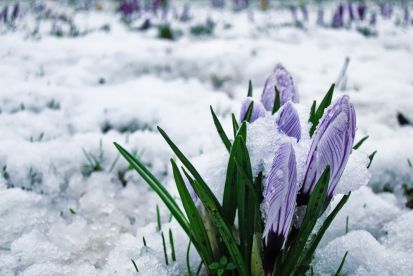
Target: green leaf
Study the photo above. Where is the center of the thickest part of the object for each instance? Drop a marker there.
(220, 130)
(223, 260)
(277, 101)
(212, 206)
(220, 271)
(198, 231)
(229, 203)
(158, 219)
(235, 125)
(409, 163)
(134, 265)
(249, 89)
(230, 266)
(154, 183)
(341, 264)
(164, 249)
(248, 114)
(171, 243)
(315, 119)
(306, 260)
(188, 264)
(359, 143)
(214, 266)
(245, 198)
(314, 209)
(371, 157)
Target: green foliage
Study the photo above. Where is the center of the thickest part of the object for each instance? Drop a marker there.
(224, 248)
(317, 113)
(359, 143)
(277, 101)
(165, 31)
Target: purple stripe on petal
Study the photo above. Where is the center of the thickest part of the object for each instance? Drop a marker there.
(288, 121)
(332, 145)
(258, 110)
(280, 192)
(284, 82)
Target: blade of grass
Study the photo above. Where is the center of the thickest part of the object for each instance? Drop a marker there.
(171, 243)
(320, 110)
(235, 125)
(212, 205)
(158, 219)
(220, 130)
(134, 265)
(359, 143)
(277, 101)
(229, 202)
(199, 233)
(248, 114)
(341, 264)
(154, 183)
(249, 89)
(222, 227)
(371, 157)
(188, 265)
(164, 249)
(308, 256)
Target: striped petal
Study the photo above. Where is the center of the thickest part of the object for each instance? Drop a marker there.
(280, 192)
(288, 121)
(331, 146)
(258, 110)
(283, 80)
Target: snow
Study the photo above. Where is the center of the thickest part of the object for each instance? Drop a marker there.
(52, 105)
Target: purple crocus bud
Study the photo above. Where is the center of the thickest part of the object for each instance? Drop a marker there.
(283, 80)
(338, 21)
(350, 12)
(3, 14)
(332, 145)
(320, 17)
(361, 11)
(258, 110)
(288, 121)
(280, 193)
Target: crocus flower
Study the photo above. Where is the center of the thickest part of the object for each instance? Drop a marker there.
(338, 21)
(283, 80)
(3, 14)
(258, 110)
(332, 145)
(280, 192)
(288, 121)
(362, 11)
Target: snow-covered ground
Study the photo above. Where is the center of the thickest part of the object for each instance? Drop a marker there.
(62, 97)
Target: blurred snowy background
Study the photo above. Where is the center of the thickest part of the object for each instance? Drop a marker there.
(77, 75)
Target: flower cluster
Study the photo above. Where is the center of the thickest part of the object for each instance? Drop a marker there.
(331, 146)
(252, 226)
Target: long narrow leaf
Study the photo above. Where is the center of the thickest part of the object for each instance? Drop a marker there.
(229, 203)
(249, 89)
(213, 207)
(277, 100)
(157, 187)
(235, 125)
(220, 130)
(222, 227)
(359, 143)
(197, 226)
(320, 110)
(306, 260)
